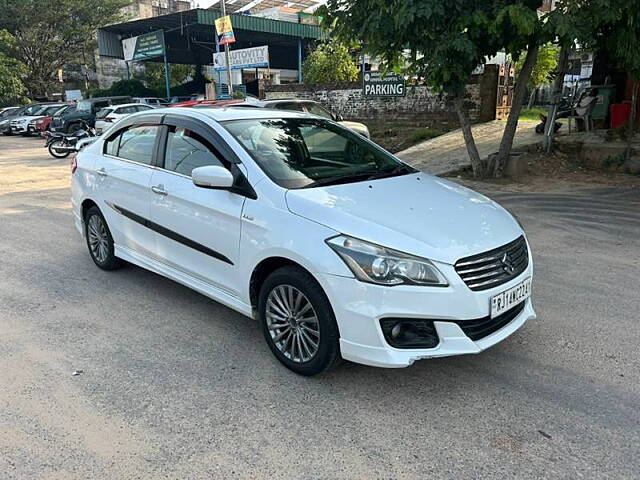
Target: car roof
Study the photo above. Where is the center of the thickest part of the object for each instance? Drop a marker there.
(134, 104)
(221, 114)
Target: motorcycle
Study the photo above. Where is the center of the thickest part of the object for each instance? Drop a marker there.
(61, 145)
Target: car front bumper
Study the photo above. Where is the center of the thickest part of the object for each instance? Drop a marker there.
(19, 129)
(359, 306)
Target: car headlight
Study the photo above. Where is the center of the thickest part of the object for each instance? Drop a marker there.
(375, 264)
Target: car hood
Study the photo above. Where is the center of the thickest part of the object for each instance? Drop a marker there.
(24, 117)
(417, 213)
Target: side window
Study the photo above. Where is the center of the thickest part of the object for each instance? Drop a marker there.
(111, 147)
(289, 106)
(142, 108)
(316, 109)
(98, 106)
(187, 150)
(137, 144)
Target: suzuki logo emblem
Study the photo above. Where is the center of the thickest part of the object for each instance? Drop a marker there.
(507, 266)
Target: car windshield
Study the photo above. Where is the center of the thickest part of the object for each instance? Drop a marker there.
(7, 113)
(84, 106)
(50, 110)
(304, 152)
(103, 113)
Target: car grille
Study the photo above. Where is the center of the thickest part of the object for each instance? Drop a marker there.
(495, 267)
(483, 327)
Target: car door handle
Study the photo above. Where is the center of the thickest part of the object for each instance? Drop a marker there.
(159, 190)
(102, 172)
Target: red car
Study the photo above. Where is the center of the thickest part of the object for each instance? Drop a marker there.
(44, 124)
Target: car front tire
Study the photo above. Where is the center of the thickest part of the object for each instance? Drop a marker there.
(298, 322)
(100, 241)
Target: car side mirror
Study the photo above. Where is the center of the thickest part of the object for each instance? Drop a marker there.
(212, 176)
(338, 117)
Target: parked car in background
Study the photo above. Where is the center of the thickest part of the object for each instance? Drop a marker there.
(43, 124)
(25, 111)
(153, 101)
(5, 111)
(106, 117)
(307, 106)
(85, 111)
(336, 247)
(184, 98)
(6, 116)
(25, 124)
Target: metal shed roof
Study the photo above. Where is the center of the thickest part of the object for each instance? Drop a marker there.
(190, 36)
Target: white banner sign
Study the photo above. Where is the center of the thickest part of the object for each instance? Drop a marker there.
(245, 58)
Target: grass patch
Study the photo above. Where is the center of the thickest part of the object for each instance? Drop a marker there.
(532, 113)
(396, 136)
(422, 134)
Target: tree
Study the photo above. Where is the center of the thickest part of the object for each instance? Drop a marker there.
(331, 61)
(543, 70)
(443, 42)
(178, 74)
(48, 36)
(12, 89)
(621, 40)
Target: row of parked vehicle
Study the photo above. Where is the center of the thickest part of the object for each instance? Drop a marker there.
(37, 118)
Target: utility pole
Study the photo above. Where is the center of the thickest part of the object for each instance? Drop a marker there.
(226, 55)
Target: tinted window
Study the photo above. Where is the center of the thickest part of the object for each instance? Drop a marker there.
(84, 106)
(141, 108)
(111, 147)
(98, 106)
(103, 113)
(126, 110)
(298, 152)
(187, 150)
(287, 106)
(316, 109)
(137, 144)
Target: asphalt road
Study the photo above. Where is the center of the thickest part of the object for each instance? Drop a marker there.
(175, 385)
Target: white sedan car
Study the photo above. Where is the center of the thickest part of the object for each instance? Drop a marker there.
(106, 117)
(336, 247)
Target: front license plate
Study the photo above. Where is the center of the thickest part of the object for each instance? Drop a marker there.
(510, 298)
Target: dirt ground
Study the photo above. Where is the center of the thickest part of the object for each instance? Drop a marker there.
(557, 172)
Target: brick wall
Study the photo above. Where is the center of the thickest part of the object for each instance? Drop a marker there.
(420, 103)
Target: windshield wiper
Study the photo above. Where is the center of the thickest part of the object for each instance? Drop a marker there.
(364, 175)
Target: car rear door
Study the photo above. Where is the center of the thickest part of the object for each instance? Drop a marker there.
(123, 177)
(198, 229)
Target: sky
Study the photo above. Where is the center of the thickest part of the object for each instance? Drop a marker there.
(208, 3)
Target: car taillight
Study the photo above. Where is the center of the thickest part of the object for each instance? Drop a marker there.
(74, 164)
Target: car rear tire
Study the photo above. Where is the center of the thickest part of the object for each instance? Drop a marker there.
(100, 241)
(298, 322)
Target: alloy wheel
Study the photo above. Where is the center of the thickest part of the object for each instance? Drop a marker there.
(98, 238)
(292, 323)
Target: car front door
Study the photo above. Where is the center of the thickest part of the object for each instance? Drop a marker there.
(123, 177)
(198, 229)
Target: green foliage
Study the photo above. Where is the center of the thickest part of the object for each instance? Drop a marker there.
(12, 89)
(532, 114)
(331, 61)
(623, 37)
(132, 88)
(546, 63)
(50, 35)
(238, 94)
(154, 75)
(422, 134)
